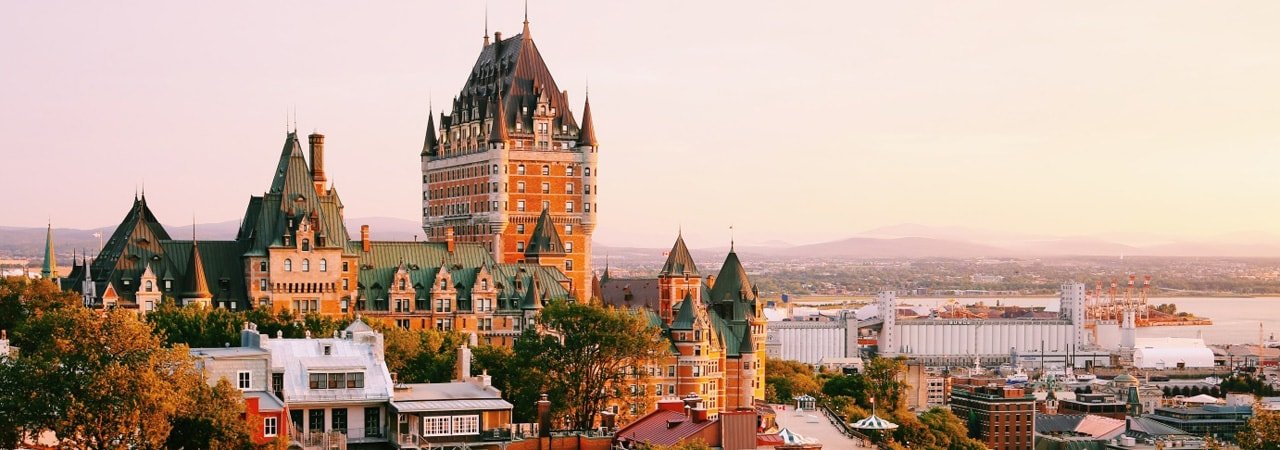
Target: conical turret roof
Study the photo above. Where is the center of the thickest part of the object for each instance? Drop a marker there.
(50, 268)
(197, 285)
(587, 136)
(686, 315)
(732, 282)
(499, 131)
(431, 142)
(544, 240)
(679, 261)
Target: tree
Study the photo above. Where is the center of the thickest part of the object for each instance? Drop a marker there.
(693, 444)
(585, 358)
(101, 380)
(788, 380)
(1260, 432)
(212, 419)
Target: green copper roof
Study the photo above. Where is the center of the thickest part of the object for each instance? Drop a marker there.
(732, 282)
(545, 241)
(50, 269)
(686, 315)
(679, 261)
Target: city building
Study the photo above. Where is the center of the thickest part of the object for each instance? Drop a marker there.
(467, 412)
(676, 421)
(249, 370)
(293, 253)
(714, 325)
(926, 387)
(508, 150)
(1002, 417)
(1219, 421)
(1104, 405)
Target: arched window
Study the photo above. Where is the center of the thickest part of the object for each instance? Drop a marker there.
(306, 245)
(568, 171)
(288, 265)
(546, 170)
(484, 285)
(586, 171)
(520, 169)
(324, 265)
(444, 285)
(262, 266)
(149, 286)
(306, 265)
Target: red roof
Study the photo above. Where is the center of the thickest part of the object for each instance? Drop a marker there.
(655, 428)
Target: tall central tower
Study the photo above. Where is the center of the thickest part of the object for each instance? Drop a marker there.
(508, 150)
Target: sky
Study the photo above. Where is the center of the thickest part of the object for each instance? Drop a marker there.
(791, 121)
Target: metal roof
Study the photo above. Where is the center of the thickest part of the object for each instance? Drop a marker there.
(451, 405)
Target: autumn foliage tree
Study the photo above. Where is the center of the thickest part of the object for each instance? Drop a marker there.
(1261, 432)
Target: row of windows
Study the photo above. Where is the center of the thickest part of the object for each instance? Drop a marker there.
(338, 380)
(546, 204)
(478, 171)
(450, 425)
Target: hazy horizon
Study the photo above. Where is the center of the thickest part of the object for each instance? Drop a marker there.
(793, 122)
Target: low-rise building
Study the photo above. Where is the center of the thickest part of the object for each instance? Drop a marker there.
(1219, 421)
(249, 370)
(467, 412)
(1002, 417)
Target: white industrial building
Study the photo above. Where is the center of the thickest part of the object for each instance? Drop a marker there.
(950, 341)
(1170, 353)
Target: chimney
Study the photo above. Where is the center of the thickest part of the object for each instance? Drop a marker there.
(544, 416)
(699, 414)
(316, 140)
(464, 362)
(448, 239)
(497, 36)
(671, 404)
(249, 337)
(607, 419)
(364, 238)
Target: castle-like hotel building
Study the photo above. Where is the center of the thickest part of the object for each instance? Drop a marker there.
(509, 207)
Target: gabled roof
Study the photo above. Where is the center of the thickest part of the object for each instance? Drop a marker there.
(679, 261)
(134, 243)
(545, 241)
(663, 427)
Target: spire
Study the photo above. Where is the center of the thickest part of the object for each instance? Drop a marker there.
(684, 317)
(486, 25)
(429, 144)
(587, 135)
(198, 285)
(50, 269)
(525, 33)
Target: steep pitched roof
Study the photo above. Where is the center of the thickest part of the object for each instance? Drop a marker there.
(513, 67)
(679, 261)
(430, 143)
(587, 136)
(197, 285)
(50, 268)
(732, 282)
(686, 315)
(545, 240)
(498, 132)
(134, 243)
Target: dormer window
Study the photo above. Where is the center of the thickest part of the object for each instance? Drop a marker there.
(328, 350)
(149, 286)
(168, 285)
(444, 285)
(484, 285)
(403, 284)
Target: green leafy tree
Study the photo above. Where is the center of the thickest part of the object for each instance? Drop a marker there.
(583, 360)
(1261, 432)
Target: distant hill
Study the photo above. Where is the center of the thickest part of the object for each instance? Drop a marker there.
(905, 241)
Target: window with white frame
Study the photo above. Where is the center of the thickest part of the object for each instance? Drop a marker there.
(466, 424)
(269, 427)
(242, 379)
(436, 426)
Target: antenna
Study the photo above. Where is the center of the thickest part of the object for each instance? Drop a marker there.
(730, 237)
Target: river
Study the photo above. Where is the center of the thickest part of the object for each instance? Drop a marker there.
(1235, 319)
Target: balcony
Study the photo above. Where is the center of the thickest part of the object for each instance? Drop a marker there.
(338, 395)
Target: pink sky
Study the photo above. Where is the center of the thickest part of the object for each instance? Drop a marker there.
(798, 121)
